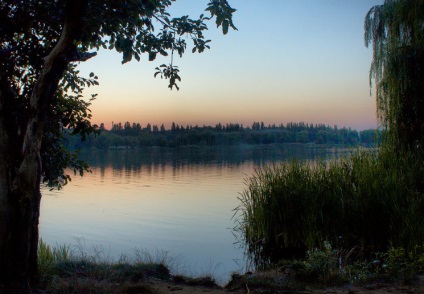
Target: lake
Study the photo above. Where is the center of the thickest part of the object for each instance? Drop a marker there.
(179, 201)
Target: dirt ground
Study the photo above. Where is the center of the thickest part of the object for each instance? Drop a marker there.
(416, 286)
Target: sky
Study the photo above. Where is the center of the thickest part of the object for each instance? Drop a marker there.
(289, 61)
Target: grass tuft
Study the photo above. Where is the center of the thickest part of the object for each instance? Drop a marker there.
(62, 270)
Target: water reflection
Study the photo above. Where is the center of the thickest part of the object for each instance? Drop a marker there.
(136, 159)
(178, 200)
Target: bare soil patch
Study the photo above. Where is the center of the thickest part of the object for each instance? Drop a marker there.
(416, 285)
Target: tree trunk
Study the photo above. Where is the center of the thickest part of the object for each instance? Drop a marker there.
(19, 214)
(20, 163)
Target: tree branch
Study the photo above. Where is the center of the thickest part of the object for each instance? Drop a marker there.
(54, 66)
(82, 56)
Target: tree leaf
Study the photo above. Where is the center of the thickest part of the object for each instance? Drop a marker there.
(152, 56)
(225, 25)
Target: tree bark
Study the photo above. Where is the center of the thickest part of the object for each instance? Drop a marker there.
(20, 168)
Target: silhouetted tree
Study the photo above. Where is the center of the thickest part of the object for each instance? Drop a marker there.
(396, 32)
(41, 44)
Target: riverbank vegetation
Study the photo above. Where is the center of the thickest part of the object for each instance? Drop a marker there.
(370, 200)
(63, 269)
(134, 135)
(66, 270)
(369, 205)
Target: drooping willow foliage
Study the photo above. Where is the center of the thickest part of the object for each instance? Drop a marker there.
(371, 200)
(396, 30)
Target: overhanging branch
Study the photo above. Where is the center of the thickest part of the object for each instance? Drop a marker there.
(82, 56)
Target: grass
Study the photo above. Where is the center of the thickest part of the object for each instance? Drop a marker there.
(329, 267)
(62, 270)
(368, 200)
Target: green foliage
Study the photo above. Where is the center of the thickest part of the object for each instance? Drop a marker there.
(169, 72)
(133, 135)
(369, 200)
(395, 30)
(323, 261)
(66, 270)
(397, 263)
(331, 265)
(72, 116)
(327, 266)
(63, 270)
(49, 257)
(223, 14)
(29, 30)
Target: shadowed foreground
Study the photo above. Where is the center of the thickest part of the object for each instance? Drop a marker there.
(66, 271)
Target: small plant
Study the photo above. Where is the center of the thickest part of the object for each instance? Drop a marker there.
(329, 266)
(358, 273)
(398, 264)
(49, 257)
(323, 262)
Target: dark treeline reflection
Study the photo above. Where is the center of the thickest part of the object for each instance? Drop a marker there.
(155, 158)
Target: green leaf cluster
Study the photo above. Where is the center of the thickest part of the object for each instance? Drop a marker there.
(396, 32)
(29, 30)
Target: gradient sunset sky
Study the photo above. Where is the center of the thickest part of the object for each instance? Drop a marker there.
(289, 61)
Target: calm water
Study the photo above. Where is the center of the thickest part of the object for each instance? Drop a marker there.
(176, 200)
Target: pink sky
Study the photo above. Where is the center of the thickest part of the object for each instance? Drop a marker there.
(297, 61)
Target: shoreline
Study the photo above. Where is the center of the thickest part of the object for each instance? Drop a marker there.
(62, 271)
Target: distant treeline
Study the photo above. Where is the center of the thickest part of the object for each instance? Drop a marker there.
(134, 135)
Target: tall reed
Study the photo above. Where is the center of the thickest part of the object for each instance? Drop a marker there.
(369, 199)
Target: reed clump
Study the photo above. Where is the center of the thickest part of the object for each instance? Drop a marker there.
(371, 200)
